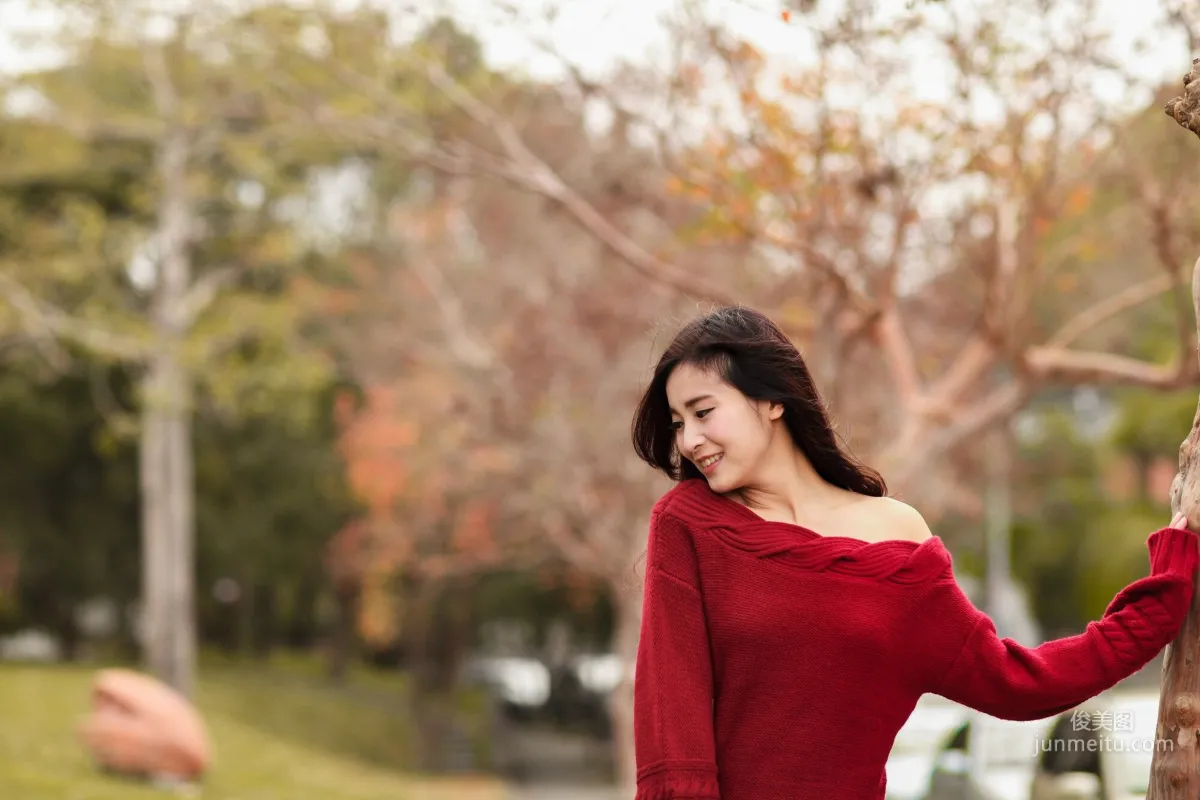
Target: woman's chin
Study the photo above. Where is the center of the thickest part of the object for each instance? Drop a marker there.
(718, 483)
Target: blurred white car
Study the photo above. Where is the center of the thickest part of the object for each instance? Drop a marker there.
(947, 750)
(1103, 750)
(1100, 751)
(600, 673)
(520, 682)
(928, 729)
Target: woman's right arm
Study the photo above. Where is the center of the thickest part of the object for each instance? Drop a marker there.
(673, 684)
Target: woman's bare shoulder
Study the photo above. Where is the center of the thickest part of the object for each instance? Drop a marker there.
(900, 520)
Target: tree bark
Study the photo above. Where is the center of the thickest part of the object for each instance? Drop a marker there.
(1175, 767)
(1185, 109)
(180, 491)
(167, 525)
(155, 534)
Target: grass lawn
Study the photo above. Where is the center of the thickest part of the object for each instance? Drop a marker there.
(276, 734)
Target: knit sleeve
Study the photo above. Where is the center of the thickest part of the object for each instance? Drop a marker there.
(1007, 680)
(673, 684)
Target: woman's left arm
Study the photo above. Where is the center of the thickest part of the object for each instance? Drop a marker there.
(972, 665)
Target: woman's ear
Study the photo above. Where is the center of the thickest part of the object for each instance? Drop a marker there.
(775, 411)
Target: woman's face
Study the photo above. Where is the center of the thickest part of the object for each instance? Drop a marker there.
(720, 430)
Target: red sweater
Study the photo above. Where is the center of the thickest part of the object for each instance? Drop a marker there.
(779, 664)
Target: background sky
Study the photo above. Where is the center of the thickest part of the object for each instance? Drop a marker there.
(596, 33)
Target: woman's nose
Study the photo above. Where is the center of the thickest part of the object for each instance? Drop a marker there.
(691, 441)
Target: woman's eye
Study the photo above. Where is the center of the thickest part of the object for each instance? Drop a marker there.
(677, 424)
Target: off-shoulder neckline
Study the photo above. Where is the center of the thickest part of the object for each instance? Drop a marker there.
(753, 517)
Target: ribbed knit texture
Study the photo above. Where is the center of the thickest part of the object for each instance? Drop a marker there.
(779, 664)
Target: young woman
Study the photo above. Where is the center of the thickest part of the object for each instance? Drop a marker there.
(794, 614)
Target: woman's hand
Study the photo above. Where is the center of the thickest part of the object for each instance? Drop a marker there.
(1180, 521)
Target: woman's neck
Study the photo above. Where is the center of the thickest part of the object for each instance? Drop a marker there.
(789, 489)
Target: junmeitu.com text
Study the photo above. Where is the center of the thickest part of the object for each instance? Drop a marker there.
(1103, 744)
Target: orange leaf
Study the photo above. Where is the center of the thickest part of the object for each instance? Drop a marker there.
(1079, 200)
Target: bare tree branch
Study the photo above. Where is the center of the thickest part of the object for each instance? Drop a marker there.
(973, 361)
(467, 347)
(1185, 109)
(1157, 204)
(860, 301)
(890, 331)
(899, 356)
(40, 318)
(203, 292)
(45, 342)
(914, 453)
(535, 174)
(1110, 307)
(520, 166)
(572, 547)
(104, 130)
(1079, 367)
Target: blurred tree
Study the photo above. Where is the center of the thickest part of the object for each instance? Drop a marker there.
(202, 271)
(68, 499)
(269, 493)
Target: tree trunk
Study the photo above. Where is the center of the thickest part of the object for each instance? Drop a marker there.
(424, 700)
(180, 492)
(167, 465)
(167, 526)
(1175, 768)
(627, 603)
(155, 535)
(343, 635)
(301, 631)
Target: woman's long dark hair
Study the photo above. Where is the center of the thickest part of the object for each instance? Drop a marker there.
(752, 354)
